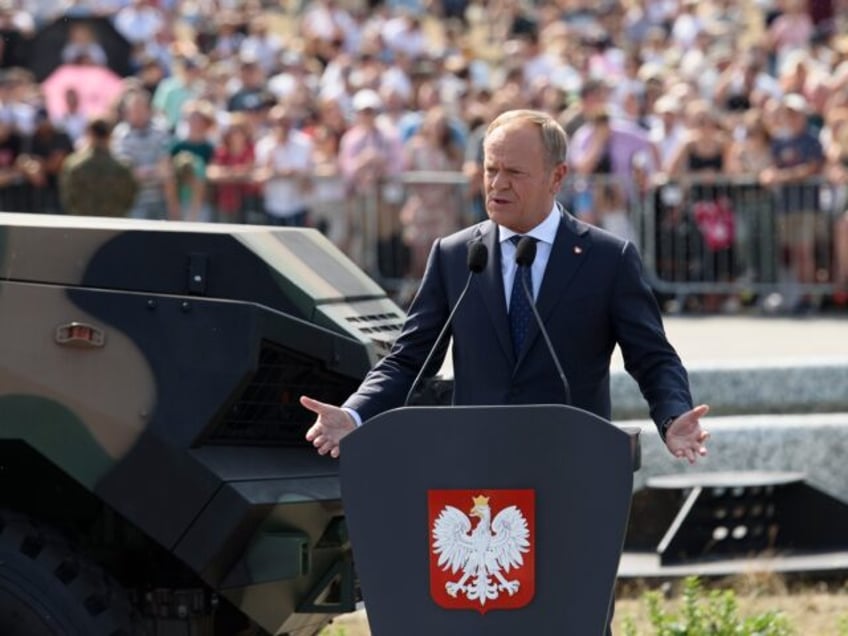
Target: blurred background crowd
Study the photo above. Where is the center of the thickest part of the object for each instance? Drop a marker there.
(714, 133)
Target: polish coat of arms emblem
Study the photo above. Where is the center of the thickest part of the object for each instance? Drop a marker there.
(482, 548)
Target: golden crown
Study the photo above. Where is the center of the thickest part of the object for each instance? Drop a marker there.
(480, 500)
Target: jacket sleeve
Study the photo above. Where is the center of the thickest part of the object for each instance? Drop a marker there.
(648, 356)
(386, 385)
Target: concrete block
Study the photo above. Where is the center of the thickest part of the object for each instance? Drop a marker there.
(814, 444)
(803, 386)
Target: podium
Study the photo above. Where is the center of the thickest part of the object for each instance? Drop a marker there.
(489, 520)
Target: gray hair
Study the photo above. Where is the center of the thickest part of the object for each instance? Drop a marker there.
(554, 139)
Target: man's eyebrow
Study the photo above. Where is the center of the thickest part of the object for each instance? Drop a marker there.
(509, 167)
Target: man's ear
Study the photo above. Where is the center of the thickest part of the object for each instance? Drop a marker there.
(558, 176)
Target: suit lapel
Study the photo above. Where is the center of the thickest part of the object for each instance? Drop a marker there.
(568, 253)
(492, 288)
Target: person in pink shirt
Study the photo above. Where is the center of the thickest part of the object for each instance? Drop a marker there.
(431, 210)
(370, 159)
(791, 30)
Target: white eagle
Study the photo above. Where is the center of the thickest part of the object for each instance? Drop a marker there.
(489, 551)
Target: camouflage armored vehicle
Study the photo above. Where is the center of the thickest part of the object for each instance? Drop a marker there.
(154, 478)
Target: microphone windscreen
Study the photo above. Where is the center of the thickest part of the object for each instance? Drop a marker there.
(525, 251)
(478, 256)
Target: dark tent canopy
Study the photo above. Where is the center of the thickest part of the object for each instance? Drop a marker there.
(45, 48)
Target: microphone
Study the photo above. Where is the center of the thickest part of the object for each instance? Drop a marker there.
(525, 254)
(478, 256)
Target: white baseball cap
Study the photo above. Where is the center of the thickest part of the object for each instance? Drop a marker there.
(367, 98)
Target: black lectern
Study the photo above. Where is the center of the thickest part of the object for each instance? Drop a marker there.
(490, 521)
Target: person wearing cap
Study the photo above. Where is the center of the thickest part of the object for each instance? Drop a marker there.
(252, 89)
(797, 157)
(370, 156)
(667, 129)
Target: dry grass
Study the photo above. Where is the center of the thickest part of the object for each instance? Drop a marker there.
(814, 608)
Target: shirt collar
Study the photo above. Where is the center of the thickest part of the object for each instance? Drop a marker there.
(545, 232)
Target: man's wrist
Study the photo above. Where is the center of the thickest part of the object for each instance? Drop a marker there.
(666, 424)
(357, 420)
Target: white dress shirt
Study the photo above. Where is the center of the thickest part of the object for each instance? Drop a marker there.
(544, 233)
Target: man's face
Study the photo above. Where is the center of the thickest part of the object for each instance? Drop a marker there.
(520, 187)
(198, 124)
(281, 122)
(797, 121)
(251, 75)
(367, 116)
(138, 112)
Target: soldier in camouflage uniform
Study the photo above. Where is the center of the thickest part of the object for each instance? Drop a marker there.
(93, 182)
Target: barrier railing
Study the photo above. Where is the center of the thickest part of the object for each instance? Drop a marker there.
(726, 236)
(606, 201)
(387, 228)
(697, 236)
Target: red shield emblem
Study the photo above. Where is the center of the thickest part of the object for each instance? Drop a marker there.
(482, 548)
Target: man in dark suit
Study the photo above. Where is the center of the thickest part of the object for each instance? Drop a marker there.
(589, 291)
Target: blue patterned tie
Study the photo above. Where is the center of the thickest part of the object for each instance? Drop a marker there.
(520, 312)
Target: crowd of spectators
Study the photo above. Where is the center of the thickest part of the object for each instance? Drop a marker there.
(244, 111)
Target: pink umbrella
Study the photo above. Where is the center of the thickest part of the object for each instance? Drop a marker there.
(97, 86)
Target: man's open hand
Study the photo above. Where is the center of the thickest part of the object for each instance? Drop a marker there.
(332, 424)
(685, 438)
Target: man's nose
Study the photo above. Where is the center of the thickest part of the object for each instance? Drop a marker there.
(497, 181)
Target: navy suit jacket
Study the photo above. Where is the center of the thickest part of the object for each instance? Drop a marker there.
(592, 296)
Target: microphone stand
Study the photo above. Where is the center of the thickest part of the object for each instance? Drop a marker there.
(477, 263)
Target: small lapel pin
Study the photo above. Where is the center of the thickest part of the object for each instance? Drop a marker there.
(578, 249)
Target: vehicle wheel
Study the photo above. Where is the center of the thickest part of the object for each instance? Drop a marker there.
(48, 589)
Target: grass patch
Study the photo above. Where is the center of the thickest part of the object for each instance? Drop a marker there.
(706, 613)
(743, 605)
(760, 604)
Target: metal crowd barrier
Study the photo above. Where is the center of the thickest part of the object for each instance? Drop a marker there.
(697, 236)
(22, 196)
(401, 217)
(733, 236)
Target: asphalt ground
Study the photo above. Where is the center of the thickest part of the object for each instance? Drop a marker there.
(747, 340)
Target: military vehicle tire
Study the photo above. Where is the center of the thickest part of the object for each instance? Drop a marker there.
(48, 589)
